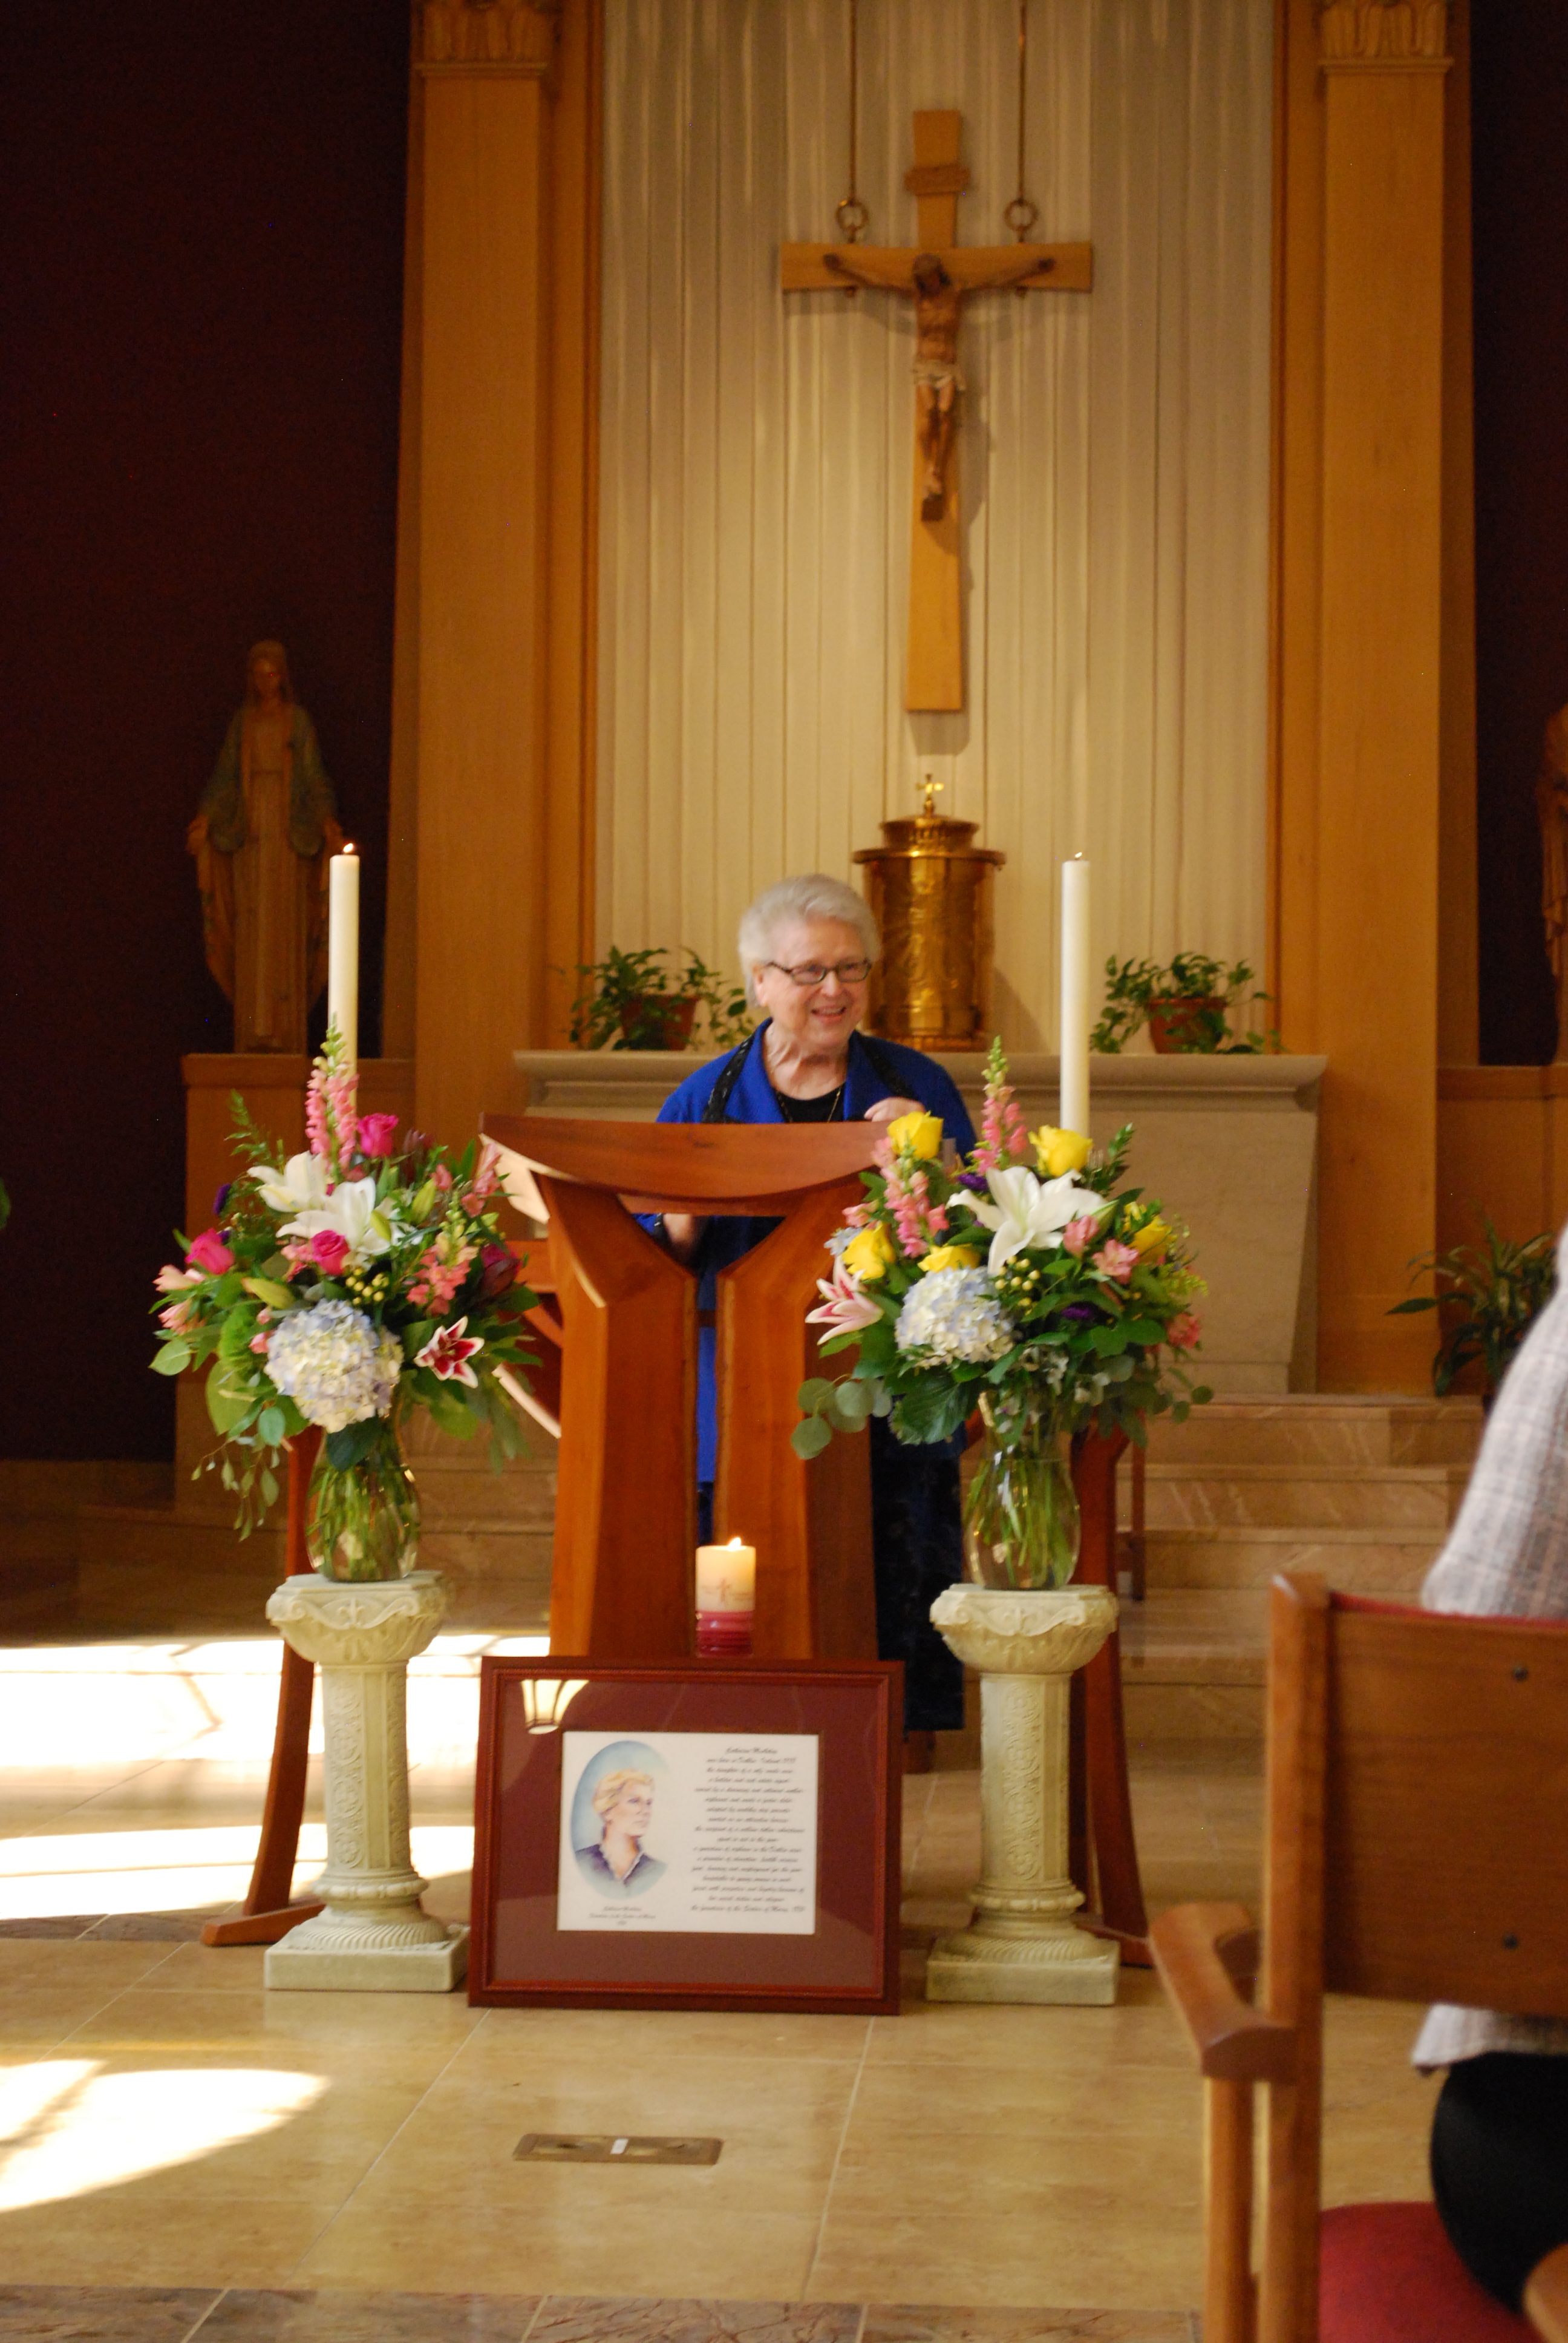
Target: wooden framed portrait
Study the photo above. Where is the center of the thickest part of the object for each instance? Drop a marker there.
(705, 1835)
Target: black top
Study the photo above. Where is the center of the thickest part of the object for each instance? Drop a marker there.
(825, 1108)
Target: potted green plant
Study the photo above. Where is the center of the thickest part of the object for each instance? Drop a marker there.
(1187, 1004)
(632, 1001)
(1492, 1295)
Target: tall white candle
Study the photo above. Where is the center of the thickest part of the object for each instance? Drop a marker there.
(343, 949)
(1073, 1110)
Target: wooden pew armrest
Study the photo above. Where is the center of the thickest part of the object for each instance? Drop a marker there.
(1205, 1954)
(1546, 2297)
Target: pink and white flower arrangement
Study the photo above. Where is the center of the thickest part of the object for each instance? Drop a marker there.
(1039, 1292)
(346, 1286)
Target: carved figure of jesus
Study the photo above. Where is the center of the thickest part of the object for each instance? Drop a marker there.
(939, 303)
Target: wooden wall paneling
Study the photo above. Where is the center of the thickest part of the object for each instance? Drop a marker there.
(576, 171)
(400, 949)
(503, 592)
(1378, 779)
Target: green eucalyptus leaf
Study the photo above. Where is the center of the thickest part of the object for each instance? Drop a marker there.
(851, 1404)
(227, 1403)
(173, 1359)
(814, 1395)
(272, 1426)
(269, 1487)
(810, 1437)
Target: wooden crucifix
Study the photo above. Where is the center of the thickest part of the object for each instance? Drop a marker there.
(936, 276)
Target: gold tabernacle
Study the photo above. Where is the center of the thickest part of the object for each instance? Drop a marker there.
(932, 892)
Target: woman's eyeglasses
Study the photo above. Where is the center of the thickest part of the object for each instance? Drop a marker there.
(809, 973)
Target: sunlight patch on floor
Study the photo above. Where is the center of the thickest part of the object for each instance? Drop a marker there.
(64, 1872)
(67, 2128)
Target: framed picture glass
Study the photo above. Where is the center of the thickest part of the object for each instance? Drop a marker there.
(701, 1835)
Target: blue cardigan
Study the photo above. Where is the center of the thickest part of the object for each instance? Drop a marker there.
(752, 1099)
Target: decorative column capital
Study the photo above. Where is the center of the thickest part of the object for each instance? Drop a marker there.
(1025, 1634)
(487, 36)
(1384, 35)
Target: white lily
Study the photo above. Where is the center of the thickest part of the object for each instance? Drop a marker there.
(300, 1187)
(1027, 1211)
(350, 1211)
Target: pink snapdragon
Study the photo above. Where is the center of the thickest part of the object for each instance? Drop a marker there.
(209, 1254)
(441, 1270)
(1003, 1134)
(1117, 1260)
(375, 1134)
(179, 1318)
(1078, 1235)
(917, 1219)
(1183, 1331)
(331, 1122)
(170, 1280)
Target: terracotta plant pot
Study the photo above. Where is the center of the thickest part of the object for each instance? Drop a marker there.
(1177, 1023)
(656, 1021)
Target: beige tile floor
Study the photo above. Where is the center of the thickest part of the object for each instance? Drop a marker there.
(164, 2122)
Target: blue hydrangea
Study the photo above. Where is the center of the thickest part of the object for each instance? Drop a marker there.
(954, 1312)
(335, 1365)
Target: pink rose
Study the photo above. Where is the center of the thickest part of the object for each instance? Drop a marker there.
(1182, 1333)
(1117, 1260)
(209, 1254)
(329, 1251)
(375, 1134)
(1078, 1234)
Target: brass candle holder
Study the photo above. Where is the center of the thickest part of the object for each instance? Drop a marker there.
(932, 892)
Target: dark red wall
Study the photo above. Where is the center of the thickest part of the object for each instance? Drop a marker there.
(200, 301)
(1520, 115)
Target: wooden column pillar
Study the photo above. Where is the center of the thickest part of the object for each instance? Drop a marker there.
(1358, 644)
(496, 601)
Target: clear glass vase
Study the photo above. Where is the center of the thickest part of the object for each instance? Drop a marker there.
(362, 1522)
(1021, 1525)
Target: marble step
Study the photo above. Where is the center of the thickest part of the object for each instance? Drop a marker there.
(1359, 1560)
(1194, 1663)
(1299, 1496)
(1324, 1429)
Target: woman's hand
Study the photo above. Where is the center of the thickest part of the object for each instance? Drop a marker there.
(684, 1231)
(889, 1110)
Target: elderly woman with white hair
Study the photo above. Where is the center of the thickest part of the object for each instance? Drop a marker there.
(808, 947)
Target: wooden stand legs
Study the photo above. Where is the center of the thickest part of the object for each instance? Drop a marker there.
(1101, 1806)
(267, 1913)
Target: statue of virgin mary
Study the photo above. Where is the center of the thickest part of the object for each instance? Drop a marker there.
(262, 839)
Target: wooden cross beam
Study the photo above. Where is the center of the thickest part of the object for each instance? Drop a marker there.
(934, 677)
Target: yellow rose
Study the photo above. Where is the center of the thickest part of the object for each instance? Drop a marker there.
(950, 1257)
(1061, 1150)
(869, 1254)
(1152, 1236)
(918, 1134)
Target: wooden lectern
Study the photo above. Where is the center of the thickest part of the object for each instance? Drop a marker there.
(626, 1504)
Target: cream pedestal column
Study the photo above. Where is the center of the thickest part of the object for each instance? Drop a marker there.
(1023, 1944)
(374, 1937)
